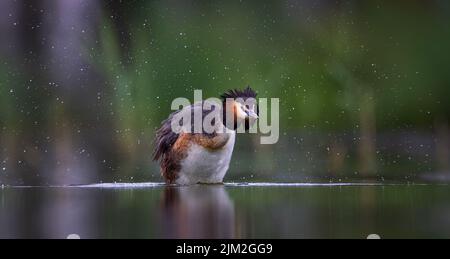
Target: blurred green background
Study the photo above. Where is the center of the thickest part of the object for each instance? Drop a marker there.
(363, 86)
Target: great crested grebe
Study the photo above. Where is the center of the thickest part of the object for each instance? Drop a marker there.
(189, 158)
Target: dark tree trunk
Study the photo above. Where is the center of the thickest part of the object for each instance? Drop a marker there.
(64, 132)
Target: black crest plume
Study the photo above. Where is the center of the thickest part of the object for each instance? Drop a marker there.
(244, 94)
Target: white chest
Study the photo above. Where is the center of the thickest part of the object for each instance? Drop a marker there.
(206, 166)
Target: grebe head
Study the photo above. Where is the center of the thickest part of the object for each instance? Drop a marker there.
(242, 106)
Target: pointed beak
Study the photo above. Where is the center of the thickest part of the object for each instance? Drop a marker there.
(252, 115)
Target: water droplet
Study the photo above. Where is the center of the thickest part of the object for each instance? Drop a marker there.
(73, 236)
(373, 236)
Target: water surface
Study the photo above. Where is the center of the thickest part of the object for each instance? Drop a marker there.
(264, 210)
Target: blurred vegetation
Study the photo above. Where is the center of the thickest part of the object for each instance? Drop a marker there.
(360, 68)
(320, 59)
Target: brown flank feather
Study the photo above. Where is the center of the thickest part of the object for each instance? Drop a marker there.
(164, 152)
(211, 141)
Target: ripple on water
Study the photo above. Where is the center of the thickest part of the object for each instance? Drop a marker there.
(230, 184)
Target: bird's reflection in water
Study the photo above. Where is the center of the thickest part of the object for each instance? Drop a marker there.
(200, 211)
